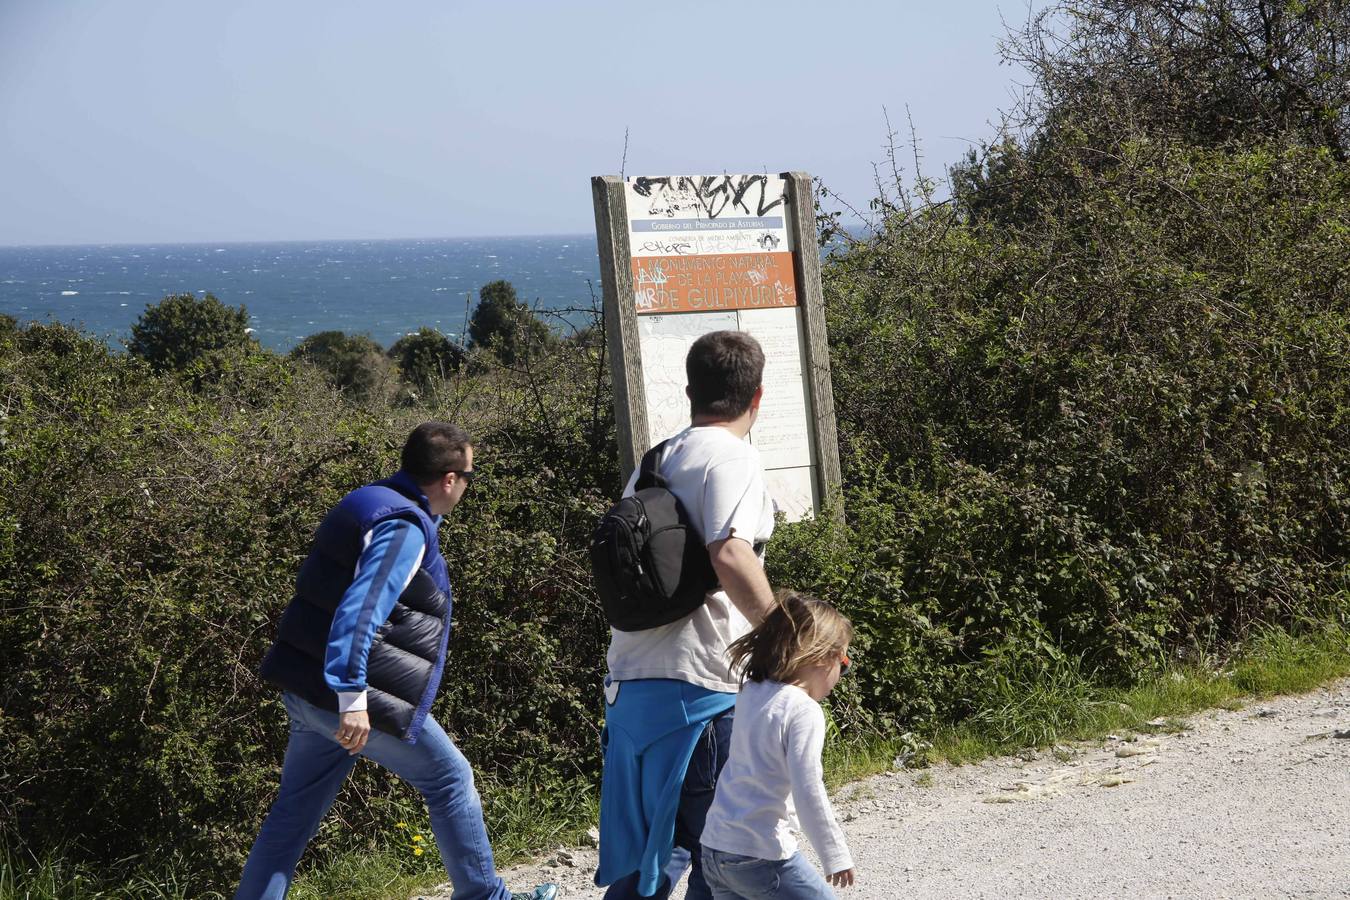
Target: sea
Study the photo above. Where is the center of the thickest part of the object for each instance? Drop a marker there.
(382, 288)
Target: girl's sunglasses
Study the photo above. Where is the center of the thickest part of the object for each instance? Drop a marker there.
(844, 664)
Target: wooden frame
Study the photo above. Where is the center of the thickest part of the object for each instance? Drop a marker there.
(621, 327)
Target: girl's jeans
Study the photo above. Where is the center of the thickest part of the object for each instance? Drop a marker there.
(735, 877)
(314, 769)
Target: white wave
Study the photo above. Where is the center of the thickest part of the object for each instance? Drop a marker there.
(69, 293)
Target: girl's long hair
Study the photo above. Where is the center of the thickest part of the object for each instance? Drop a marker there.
(800, 631)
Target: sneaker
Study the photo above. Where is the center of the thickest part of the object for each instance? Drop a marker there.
(547, 891)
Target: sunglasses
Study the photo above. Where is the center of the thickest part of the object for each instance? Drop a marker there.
(844, 665)
(468, 475)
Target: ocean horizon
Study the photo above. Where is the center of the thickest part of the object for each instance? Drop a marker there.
(385, 288)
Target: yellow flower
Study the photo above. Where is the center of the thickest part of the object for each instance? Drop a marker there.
(401, 825)
(417, 851)
(417, 839)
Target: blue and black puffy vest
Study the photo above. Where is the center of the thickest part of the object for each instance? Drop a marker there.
(407, 652)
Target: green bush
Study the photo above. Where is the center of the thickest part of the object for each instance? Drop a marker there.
(354, 364)
(505, 326)
(181, 330)
(1101, 409)
(426, 357)
(150, 531)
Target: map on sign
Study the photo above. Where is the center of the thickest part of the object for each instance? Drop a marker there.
(715, 253)
(665, 342)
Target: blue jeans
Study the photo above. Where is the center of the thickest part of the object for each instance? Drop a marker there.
(696, 797)
(314, 770)
(735, 877)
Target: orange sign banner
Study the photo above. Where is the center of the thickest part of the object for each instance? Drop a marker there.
(725, 281)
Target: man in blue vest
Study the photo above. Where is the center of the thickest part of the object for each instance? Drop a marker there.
(359, 655)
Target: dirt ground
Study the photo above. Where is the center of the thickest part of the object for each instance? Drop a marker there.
(1247, 803)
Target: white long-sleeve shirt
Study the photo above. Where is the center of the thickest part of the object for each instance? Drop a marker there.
(772, 781)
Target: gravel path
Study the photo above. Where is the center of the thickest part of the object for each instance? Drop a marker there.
(1246, 803)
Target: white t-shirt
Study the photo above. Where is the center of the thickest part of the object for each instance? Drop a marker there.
(719, 480)
(772, 781)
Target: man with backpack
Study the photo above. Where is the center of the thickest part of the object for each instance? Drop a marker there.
(671, 690)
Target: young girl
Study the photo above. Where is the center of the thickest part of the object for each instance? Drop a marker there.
(792, 660)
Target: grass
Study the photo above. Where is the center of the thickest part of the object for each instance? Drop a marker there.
(380, 875)
(522, 819)
(1019, 711)
(847, 761)
(1016, 710)
(55, 877)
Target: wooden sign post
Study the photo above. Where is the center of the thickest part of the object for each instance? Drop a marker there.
(683, 256)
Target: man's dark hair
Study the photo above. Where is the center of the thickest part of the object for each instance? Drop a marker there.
(433, 449)
(724, 369)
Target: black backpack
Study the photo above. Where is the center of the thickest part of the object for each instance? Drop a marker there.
(649, 561)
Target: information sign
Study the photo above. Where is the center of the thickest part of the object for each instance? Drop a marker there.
(683, 256)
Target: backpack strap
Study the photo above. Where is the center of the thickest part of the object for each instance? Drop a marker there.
(650, 474)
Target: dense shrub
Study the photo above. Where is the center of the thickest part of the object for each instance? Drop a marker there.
(426, 357)
(150, 530)
(181, 330)
(1095, 405)
(504, 326)
(1100, 431)
(352, 363)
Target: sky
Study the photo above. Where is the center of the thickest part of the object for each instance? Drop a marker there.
(254, 120)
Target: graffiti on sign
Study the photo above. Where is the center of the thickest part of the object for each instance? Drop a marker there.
(711, 195)
(710, 243)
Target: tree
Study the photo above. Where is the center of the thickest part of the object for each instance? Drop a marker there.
(504, 325)
(1138, 288)
(1207, 73)
(426, 356)
(181, 329)
(1118, 81)
(355, 363)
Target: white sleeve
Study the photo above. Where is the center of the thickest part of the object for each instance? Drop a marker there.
(630, 488)
(733, 499)
(804, 740)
